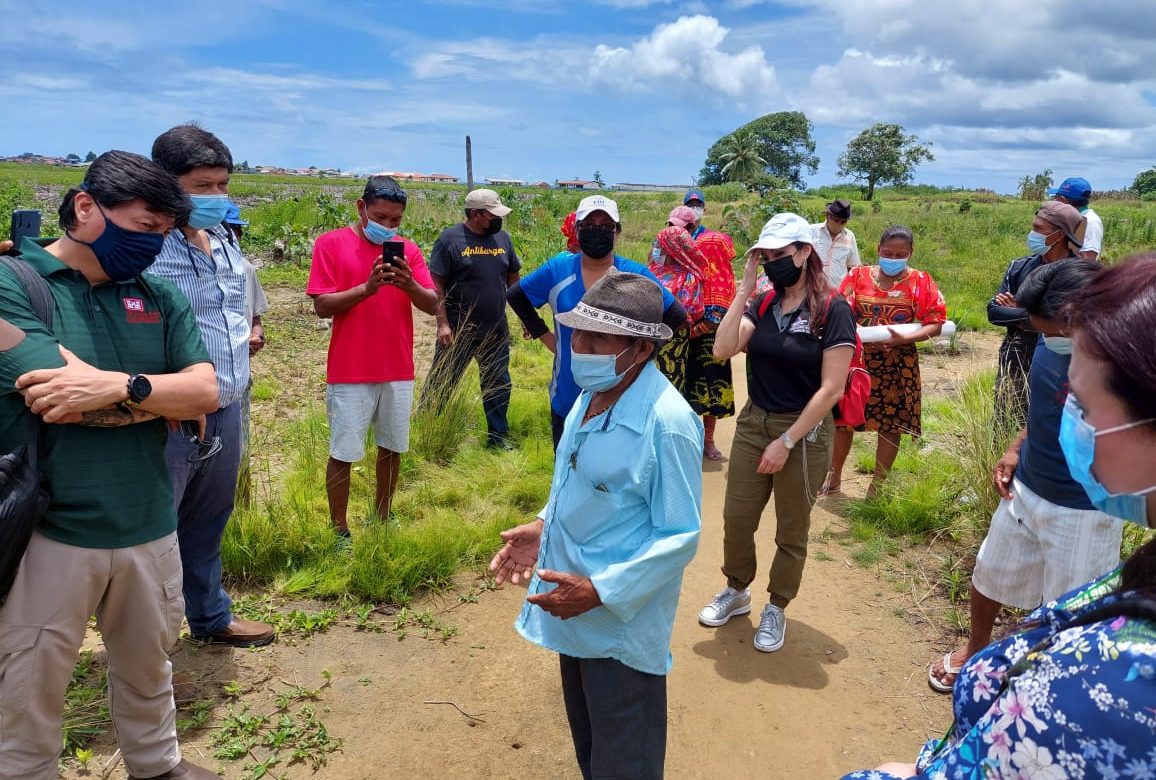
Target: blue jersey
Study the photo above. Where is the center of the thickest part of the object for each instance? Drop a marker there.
(558, 282)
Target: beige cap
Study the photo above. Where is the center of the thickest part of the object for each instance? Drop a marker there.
(487, 200)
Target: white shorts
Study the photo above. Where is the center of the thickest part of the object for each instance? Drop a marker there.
(1035, 550)
(354, 408)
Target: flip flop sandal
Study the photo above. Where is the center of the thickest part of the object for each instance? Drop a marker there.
(948, 668)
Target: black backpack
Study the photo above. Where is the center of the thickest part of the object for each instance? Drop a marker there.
(22, 497)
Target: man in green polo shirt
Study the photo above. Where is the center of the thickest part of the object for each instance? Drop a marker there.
(123, 354)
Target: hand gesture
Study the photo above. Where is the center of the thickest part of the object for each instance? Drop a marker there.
(750, 280)
(398, 273)
(445, 334)
(377, 278)
(1005, 470)
(58, 394)
(573, 596)
(1006, 299)
(518, 555)
(550, 340)
(774, 458)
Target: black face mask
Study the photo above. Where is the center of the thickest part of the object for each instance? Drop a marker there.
(596, 243)
(494, 227)
(783, 272)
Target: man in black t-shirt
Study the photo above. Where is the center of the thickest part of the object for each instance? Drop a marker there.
(472, 264)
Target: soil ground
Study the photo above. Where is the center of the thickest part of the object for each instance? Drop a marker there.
(847, 691)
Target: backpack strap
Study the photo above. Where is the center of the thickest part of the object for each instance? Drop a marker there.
(768, 299)
(38, 291)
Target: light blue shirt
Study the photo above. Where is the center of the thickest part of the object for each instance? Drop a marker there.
(215, 287)
(625, 509)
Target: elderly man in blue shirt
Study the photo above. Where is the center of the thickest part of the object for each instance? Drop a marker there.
(621, 524)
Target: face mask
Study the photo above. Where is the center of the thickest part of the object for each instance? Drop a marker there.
(655, 254)
(783, 272)
(698, 212)
(208, 210)
(1061, 345)
(494, 227)
(893, 266)
(596, 373)
(123, 254)
(596, 243)
(1037, 242)
(1078, 442)
(378, 234)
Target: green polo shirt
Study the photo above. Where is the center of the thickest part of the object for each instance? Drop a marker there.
(109, 487)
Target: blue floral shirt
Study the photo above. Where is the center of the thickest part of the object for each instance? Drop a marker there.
(1085, 707)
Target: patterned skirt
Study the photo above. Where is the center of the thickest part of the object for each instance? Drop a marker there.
(896, 403)
(709, 387)
(671, 359)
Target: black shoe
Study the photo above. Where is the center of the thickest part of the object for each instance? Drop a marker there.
(502, 445)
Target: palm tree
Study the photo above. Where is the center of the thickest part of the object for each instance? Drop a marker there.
(740, 157)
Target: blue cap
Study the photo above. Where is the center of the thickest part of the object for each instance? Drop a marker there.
(233, 216)
(692, 195)
(1074, 188)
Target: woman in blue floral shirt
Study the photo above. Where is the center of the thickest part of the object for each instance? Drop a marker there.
(1073, 694)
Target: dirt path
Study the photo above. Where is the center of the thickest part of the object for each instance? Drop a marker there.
(847, 691)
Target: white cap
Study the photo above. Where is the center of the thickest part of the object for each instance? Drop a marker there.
(487, 200)
(593, 203)
(784, 229)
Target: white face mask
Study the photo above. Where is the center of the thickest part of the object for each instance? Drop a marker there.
(698, 212)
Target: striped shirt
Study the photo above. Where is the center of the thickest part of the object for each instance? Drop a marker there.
(215, 287)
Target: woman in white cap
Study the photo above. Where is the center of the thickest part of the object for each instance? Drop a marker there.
(799, 338)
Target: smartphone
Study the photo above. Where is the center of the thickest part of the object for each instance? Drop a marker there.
(25, 224)
(392, 249)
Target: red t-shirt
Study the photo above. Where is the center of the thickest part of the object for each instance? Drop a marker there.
(373, 341)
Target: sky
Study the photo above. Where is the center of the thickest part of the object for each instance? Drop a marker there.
(637, 90)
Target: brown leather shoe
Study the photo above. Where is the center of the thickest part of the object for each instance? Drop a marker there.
(241, 633)
(183, 771)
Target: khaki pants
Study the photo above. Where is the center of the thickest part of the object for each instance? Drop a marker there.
(135, 593)
(795, 489)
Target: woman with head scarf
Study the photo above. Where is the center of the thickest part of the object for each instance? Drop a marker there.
(1070, 693)
(678, 265)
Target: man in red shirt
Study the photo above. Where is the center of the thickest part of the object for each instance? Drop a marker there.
(369, 377)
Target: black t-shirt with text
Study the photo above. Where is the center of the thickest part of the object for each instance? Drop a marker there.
(786, 368)
(475, 269)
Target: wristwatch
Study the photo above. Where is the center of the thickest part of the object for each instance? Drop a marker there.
(139, 389)
(788, 442)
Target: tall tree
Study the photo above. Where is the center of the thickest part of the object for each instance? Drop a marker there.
(882, 154)
(90, 157)
(1145, 182)
(783, 143)
(740, 158)
(1036, 187)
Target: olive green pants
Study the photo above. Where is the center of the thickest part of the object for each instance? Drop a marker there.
(795, 489)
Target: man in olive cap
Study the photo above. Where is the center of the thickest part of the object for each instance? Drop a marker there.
(835, 243)
(621, 524)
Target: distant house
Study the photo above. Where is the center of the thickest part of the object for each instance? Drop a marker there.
(576, 184)
(542, 184)
(629, 187)
(442, 178)
(506, 182)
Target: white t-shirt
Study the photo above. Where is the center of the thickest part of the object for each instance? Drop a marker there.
(1094, 234)
(840, 254)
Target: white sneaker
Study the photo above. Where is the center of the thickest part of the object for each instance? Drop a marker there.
(772, 629)
(724, 606)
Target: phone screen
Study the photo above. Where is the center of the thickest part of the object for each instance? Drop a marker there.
(392, 249)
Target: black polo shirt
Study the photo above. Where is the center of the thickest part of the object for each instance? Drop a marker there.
(786, 365)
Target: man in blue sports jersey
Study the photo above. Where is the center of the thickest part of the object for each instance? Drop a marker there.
(562, 281)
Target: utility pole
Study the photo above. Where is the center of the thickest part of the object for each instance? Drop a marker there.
(469, 165)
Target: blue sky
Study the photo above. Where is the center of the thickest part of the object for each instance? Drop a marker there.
(636, 89)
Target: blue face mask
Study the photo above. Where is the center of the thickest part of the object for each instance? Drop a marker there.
(1037, 242)
(377, 234)
(208, 210)
(1061, 345)
(1078, 442)
(596, 373)
(123, 254)
(893, 266)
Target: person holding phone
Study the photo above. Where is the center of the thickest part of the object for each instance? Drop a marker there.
(368, 279)
(473, 264)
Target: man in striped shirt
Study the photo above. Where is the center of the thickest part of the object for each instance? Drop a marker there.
(203, 260)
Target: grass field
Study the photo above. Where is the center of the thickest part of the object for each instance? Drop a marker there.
(456, 495)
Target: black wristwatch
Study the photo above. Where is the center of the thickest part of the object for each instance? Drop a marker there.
(139, 388)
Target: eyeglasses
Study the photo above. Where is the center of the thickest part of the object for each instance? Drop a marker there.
(390, 193)
(204, 450)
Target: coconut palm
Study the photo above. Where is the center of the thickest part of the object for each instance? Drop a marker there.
(740, 157)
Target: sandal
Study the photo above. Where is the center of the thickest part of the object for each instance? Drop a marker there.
(938, 685)
(711, 452)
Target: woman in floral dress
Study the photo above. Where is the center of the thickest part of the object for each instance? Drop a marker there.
(890, 292)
